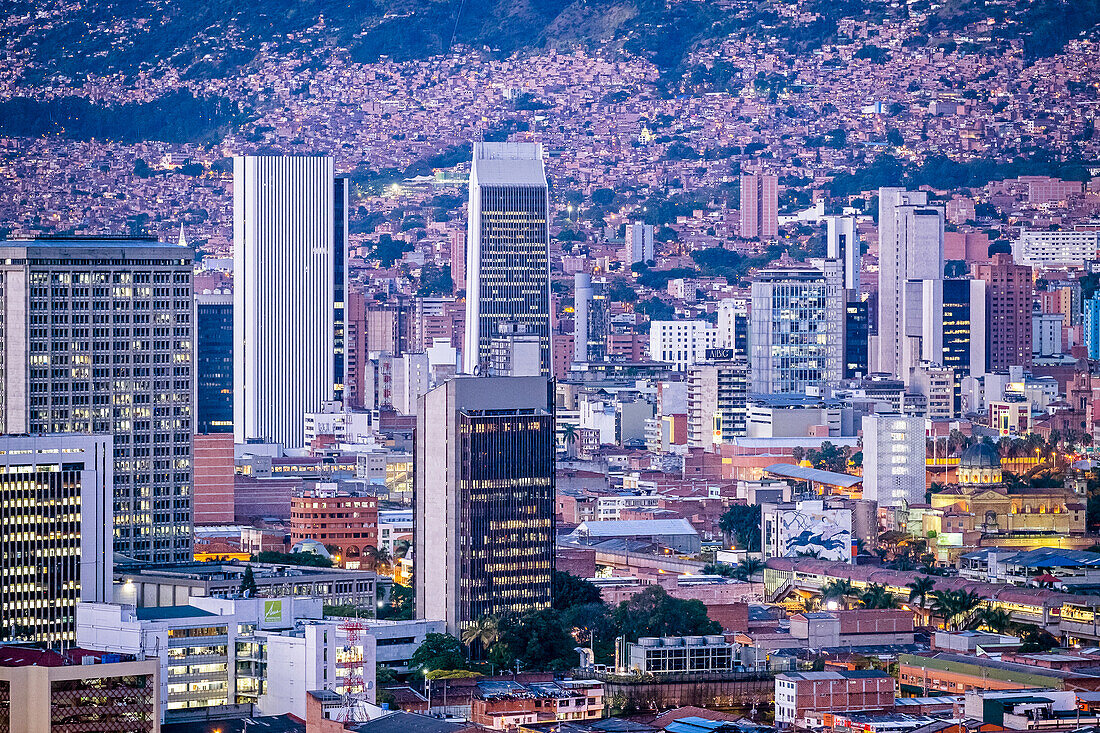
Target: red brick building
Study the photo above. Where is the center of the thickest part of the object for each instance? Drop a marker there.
(800, 693)
(213, 479)
(348, 523)
(1009, 292)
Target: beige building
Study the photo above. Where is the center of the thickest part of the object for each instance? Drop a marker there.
(44, 692)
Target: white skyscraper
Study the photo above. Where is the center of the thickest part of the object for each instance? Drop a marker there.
(910, 251)
(639, 243)
(893, 459)
(843, 244)
(289, 248)
(507, 251)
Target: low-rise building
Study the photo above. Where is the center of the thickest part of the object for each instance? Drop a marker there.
(505, 705)
(679, 654)
(800, 693)
(955, 674)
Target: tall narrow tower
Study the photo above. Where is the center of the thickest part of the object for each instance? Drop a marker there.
(508, 251)
(289, 242)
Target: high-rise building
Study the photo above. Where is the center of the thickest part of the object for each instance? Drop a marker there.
(759, 206)
(97, 337)
(1009, 293)
(963, 317)
(389, 326)
(213, 363)
(910, 251)
(842, 243)
(289, 249)
(893, 459)
(856, 317)
(508, 250)
(717, 393)
(1091, 329)
(55, 497)
(484, 497)
(733, 327)
(591, 319)
(355, 347)
(639, 243)
(797, 329)
(213, 479)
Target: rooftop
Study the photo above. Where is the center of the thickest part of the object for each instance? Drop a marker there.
(161, 613)
(632, 527)
(801, 473)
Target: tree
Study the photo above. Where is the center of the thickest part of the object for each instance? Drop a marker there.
(876, 596)
(569, 435)
(568, 590)
(248, 583)
(839, 590)
(484, 633)
(400, 607)
(742, 523)
(591, 625)
(435, 280)
(919, 591)
(294, 558)
(747, 568)
(378, 557)
(438, 651)
(653, 612)
(994, 619)
(540, 640)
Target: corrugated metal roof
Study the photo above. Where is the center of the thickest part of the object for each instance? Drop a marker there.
(636, 527)
(816, 475)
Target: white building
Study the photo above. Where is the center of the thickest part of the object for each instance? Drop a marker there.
(345, 426)
(507, 250)
(893, 459)
(639, 243)
(55, 493)
(842, 243)
(716, 396)
(910, 250)
(789, 530)
(683, 343)
(289, 252)
(1055, 248)
(218, 653)
(1046, 334)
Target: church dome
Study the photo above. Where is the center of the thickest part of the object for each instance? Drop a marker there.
(980, 455)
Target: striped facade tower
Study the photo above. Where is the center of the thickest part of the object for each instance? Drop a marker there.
(507, 252)
(289, 254)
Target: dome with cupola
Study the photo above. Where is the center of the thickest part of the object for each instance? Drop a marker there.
(979, 464)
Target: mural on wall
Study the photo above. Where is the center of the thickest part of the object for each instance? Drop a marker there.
(826, 533)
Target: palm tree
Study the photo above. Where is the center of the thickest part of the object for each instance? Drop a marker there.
(569, 435)
(945, 605)
(838, 590)
(747, 568)
(919, 590)
(994, 619)
(378, 557)
(484, 632)
(968, 602)
(876, 596)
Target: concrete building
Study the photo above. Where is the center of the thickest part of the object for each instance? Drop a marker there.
(115, 359)
(485, 467)
(213, 363)
(224, 656)
(842, 243)
(1009, 297)
(910, 249)
(716, 401)
(508, 705)
(791, 529)
(938, 385)
(733, 326)
(679, 654)
(591, 319)
(1091, 327)
(55, 538)
(289, 254)
(80, 690)
(639, 243)
(682, 343)
(1055, 248)
(396, 381)
(176, 585)
(893, 459)
(1046, 334)
(508, 250)
(797, 329)
(759, 206)
(800, 693)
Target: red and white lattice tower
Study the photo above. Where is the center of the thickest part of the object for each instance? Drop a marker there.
(353, 680)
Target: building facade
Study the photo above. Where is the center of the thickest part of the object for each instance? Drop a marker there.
(348, 523)
(98, 338)
(1055, 248)
(1009, 296)
(716, 400)
(289, 249)
(759, 206)
(484, 499)
(682, 343)
(893, 459)
(213, 363)
(508, 250)
(55, 536)
(797, 329)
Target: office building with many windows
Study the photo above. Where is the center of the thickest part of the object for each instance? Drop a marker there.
(55, 533)
(213, 363)
(508, 251)
(98, 338)
(797, 329)
(483, 536)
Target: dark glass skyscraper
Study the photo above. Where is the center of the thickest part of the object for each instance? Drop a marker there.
(214, 363)
(855, 339)
(484, 496)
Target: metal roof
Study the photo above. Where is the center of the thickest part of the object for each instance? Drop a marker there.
(787, 470)
(636, 527)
